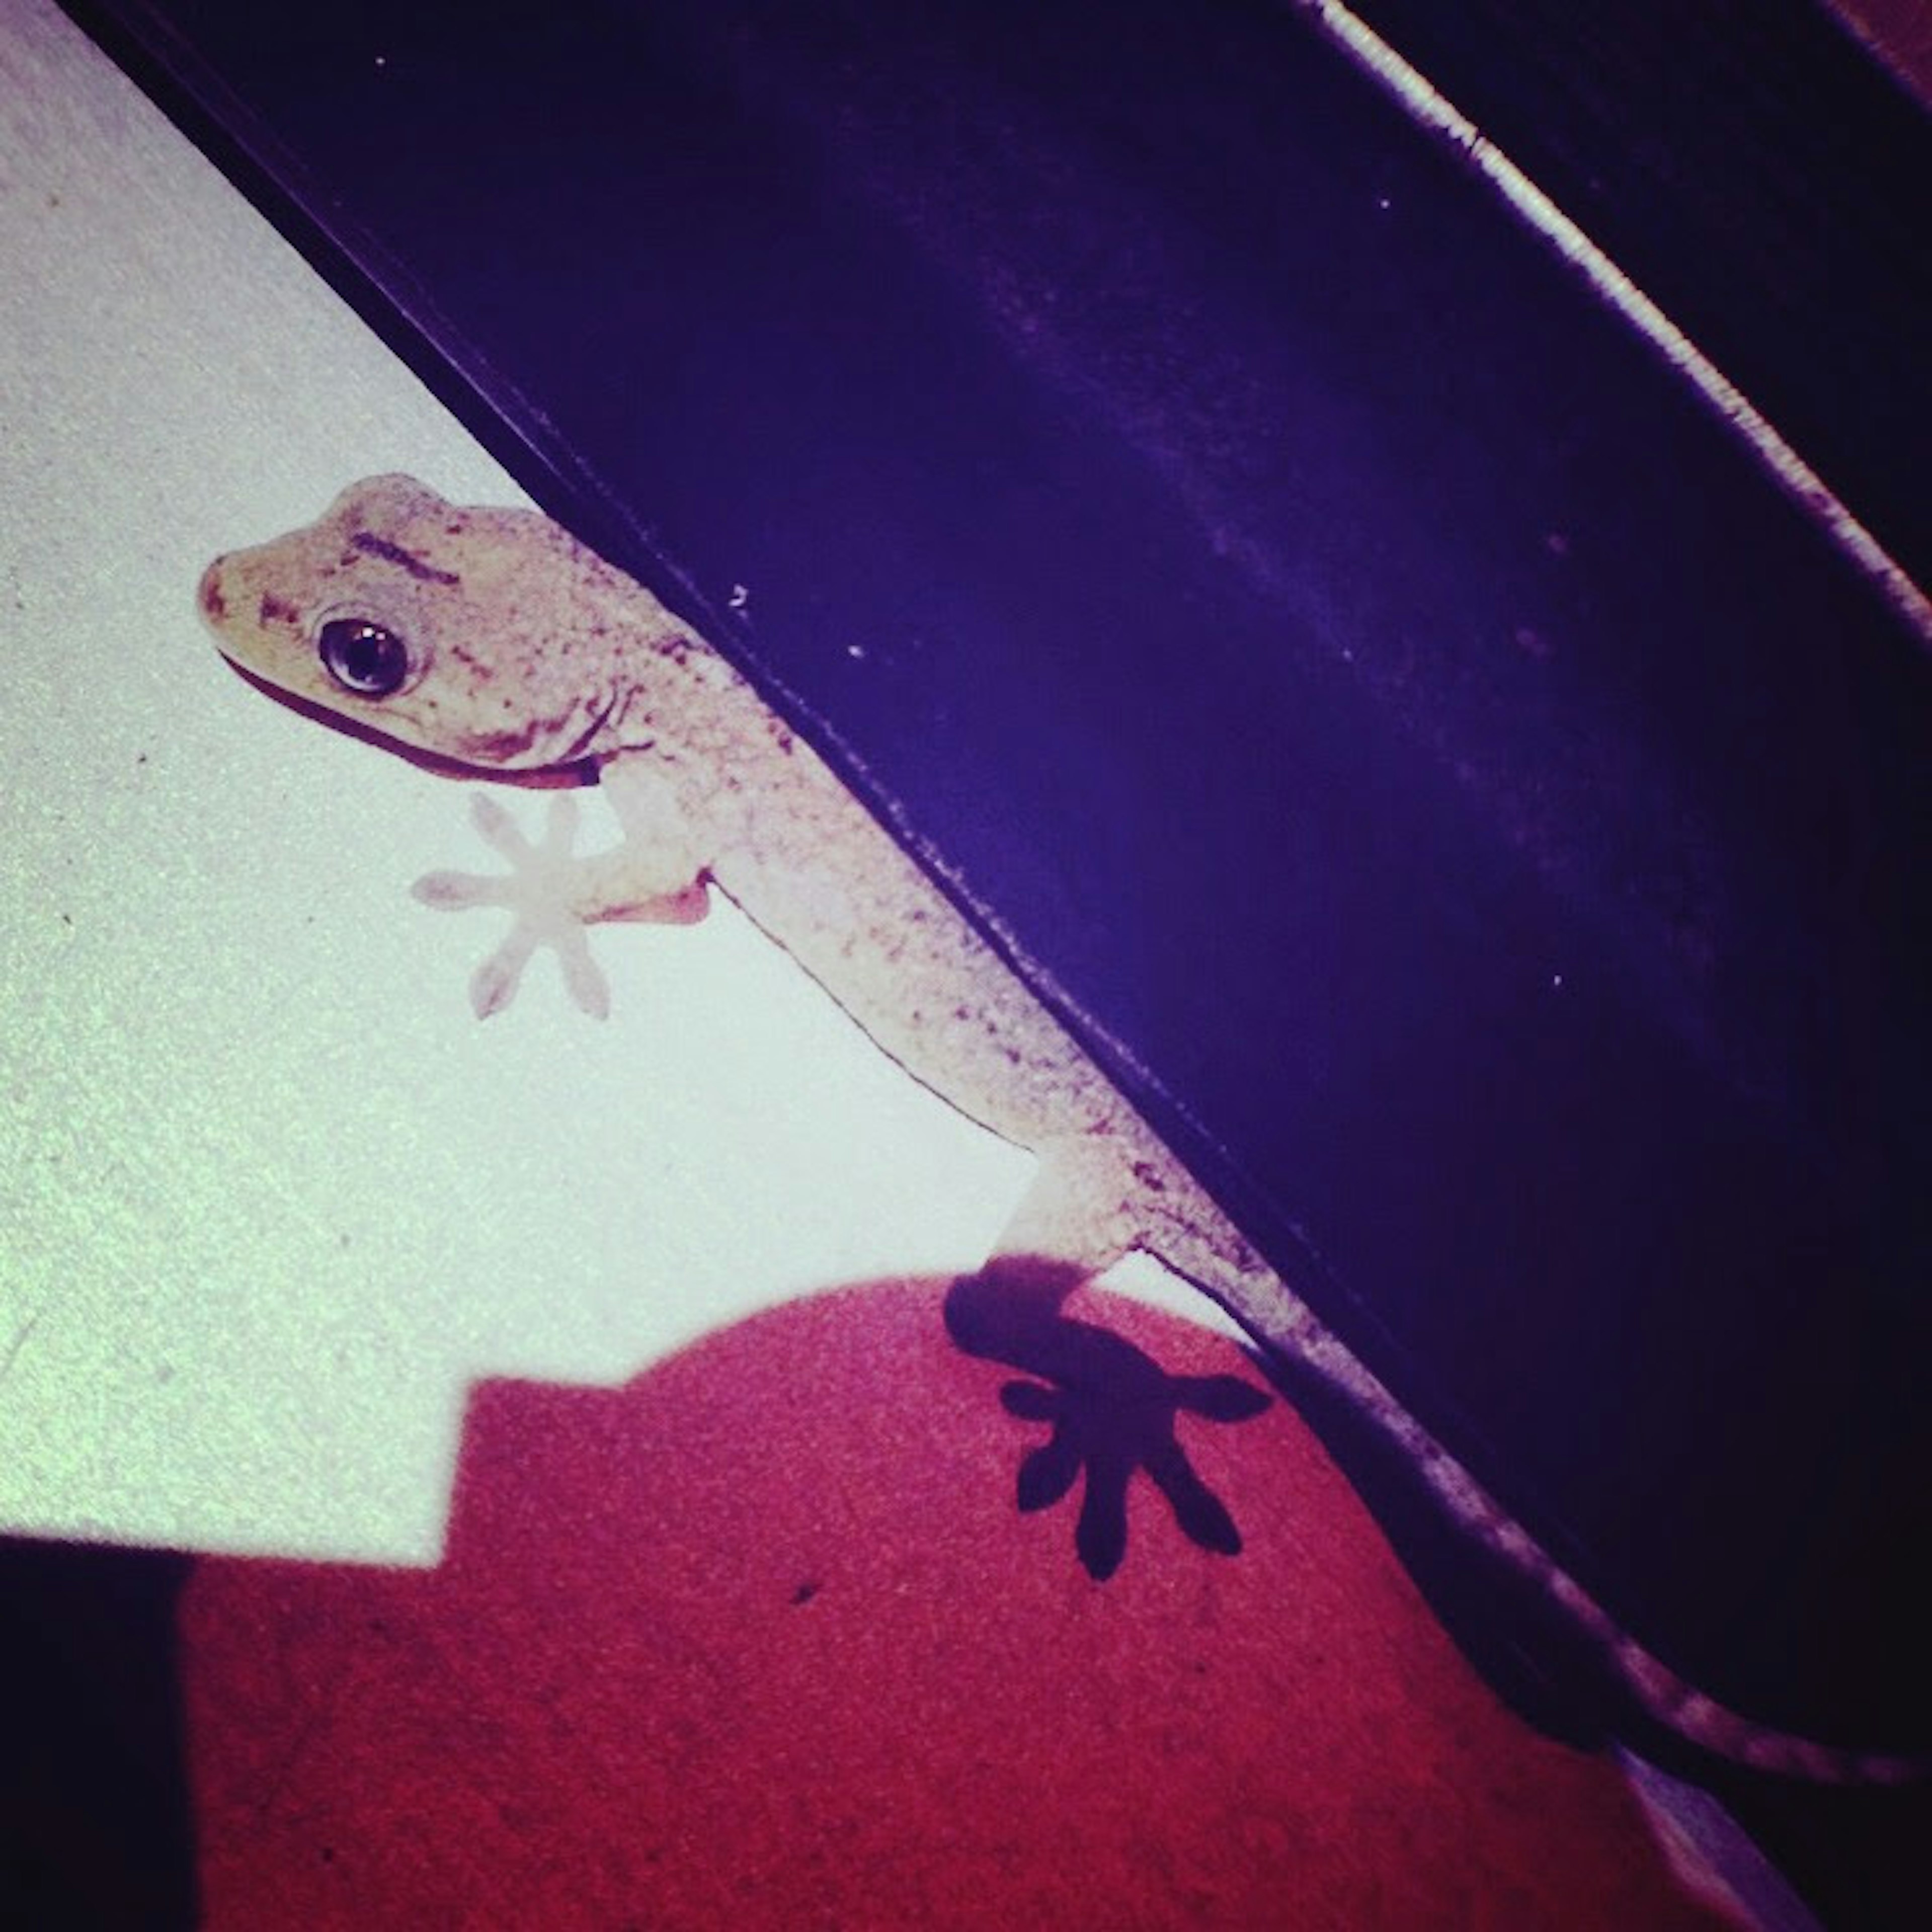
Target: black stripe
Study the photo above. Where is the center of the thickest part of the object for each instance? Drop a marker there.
(370, 545)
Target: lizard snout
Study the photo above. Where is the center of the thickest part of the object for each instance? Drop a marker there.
(208, 595)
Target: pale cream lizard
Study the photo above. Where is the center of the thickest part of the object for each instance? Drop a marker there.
(491, 640)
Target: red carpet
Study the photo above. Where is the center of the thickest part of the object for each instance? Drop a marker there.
(760, 1641)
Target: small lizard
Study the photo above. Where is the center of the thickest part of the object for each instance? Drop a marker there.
(490, 640)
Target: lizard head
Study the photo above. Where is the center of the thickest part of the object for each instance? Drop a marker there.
(485, 637)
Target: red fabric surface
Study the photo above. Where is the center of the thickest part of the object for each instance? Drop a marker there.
(760, 1640)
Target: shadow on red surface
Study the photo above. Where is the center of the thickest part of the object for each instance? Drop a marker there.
(760, 1639)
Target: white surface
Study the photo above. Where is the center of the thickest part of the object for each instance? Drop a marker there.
(270, 1198)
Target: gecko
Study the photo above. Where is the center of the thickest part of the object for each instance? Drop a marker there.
(489, 641)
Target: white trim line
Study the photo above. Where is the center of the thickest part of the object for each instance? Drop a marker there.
(1798, 478)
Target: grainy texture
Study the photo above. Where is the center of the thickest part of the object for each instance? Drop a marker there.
(703, 1652)
(492, 638)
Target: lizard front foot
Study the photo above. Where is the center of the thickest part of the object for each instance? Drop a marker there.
(552, 895)
(540, 890)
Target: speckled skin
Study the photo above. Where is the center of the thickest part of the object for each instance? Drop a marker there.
(512, 650)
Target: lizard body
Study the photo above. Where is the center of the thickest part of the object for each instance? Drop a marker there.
(490, 638)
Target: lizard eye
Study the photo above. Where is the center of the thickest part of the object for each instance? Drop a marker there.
(362, 657)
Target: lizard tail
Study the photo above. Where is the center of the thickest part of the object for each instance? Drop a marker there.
(1201, 1246)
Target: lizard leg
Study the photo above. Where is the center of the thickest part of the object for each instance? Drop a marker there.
(1078, 1217)
(1070, 1226)
(554, 893)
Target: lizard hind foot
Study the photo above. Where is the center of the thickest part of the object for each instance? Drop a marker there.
(1110, 1408)
(1110, 1411)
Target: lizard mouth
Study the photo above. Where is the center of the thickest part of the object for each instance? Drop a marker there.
(571, 769)
(495, 750)
(593, 726)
